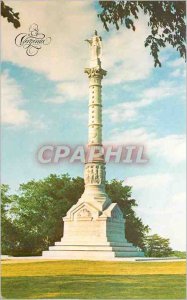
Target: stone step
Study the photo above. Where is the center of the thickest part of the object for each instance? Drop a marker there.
(95, 255)
(92, 248)
(78, 254)
(98, 244)
(134, 253)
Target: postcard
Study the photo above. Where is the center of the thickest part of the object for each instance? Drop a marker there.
(93, 149)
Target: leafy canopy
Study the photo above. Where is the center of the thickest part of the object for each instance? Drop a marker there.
(12, 17)
(156, 246)
(32, 219)
(166, 20)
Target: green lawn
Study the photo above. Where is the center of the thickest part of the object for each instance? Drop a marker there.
(93, 280)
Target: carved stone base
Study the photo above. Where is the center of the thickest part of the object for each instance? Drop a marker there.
(91, 233)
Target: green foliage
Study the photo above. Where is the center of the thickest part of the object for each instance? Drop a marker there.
(180, 254)
(36, 213)
(166, 20)
(12, 17)
(8, 231)
(156, 246)
(32, 219)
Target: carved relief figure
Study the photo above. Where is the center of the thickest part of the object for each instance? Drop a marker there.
(86, 175)
(94, 174)
(103, 174)
(84, 213)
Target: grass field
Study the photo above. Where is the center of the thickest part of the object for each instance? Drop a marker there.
(93, 280)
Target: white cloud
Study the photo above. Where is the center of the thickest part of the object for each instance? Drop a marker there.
(176, 73)
(12, 100)
(151, 181)
(66, 22)
(73, 90)
(130, 137)
(179, 68)
(162, 204)
(125, 56)
(160, 194)
(69, 91)
(170, 221)
(178, 203)
(171, 147)
(69, 23)
(121, 112)
(162, 90)
(177, 63)
(128, 111)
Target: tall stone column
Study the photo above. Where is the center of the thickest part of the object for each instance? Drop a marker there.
(95, 76)
(94, 228)
(94, 174)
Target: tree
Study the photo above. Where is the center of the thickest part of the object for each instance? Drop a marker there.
(135, 230)
(36, 213)
(9, 233)
(180, 254)
(166, 20)
(12, 17)
(157, 246)
(38, 209)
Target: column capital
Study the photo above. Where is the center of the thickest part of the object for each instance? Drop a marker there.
(95, 72)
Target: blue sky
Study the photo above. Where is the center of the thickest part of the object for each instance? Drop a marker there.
(45, 101)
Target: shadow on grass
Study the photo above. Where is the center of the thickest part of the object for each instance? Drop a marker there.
(95, 287)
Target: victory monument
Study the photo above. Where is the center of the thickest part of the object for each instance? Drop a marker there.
(94, 228)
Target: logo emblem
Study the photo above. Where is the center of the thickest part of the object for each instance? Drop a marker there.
(32, 41)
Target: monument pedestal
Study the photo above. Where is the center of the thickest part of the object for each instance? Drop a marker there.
(91, 233)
